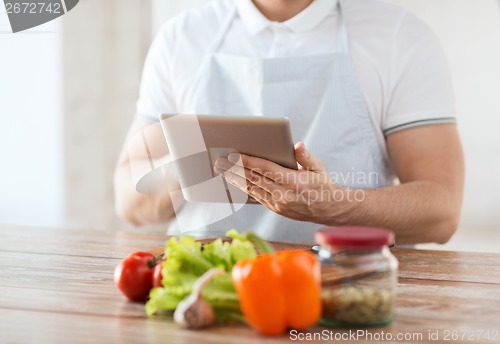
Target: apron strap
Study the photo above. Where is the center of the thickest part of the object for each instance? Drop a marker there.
(221, 33)
(342, 40)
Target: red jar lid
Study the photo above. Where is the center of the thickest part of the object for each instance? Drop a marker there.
(354, 236)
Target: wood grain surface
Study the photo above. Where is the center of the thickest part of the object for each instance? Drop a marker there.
(56, 286)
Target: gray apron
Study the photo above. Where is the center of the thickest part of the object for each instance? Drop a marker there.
(321, 96)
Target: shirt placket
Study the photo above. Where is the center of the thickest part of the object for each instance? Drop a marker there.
(279, 46)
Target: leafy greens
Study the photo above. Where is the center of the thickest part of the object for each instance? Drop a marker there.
(186, 260)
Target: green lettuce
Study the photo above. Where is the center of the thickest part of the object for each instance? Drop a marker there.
(186, 260)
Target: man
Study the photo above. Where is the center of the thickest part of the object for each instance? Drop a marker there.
(370, 100)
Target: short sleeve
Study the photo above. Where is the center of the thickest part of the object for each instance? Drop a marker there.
(156, 93)
(421, 86)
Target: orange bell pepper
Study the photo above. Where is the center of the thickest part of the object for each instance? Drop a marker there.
(279, 291)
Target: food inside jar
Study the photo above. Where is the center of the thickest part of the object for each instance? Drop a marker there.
(358, 305)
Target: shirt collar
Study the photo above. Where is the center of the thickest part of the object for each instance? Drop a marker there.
(306, 20)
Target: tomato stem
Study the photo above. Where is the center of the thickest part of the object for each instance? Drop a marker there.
(152, 263)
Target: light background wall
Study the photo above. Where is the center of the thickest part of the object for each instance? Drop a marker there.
(31, 115)
(67, 96)
(104, 46)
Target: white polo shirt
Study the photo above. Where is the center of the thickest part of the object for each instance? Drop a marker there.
(400, 65)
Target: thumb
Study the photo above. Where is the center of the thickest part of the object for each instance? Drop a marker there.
(306, 160)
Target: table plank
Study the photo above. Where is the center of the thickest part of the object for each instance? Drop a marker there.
(427, 301)
(41, 278)
(77, 242)
(22, 326)
(56, 283)
(449, 266)
(61, 328)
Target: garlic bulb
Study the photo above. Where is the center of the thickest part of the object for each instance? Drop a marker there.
(193, 312)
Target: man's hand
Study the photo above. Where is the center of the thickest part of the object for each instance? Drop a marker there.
(303, 195)
(425, 208)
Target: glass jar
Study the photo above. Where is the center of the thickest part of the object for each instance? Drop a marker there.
(359, 276)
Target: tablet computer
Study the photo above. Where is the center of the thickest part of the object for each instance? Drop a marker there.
(195, 142)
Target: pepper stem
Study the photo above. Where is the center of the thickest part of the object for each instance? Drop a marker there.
(262, 245)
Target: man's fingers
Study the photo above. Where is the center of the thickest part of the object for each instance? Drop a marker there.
(261, 195)
(263, 167)
(306, 159)
(251, 177)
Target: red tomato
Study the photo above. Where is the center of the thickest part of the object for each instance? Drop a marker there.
(133, 276)
(142, 255)
(157, 276)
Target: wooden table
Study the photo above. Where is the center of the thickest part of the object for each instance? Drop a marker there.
(56, 286)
